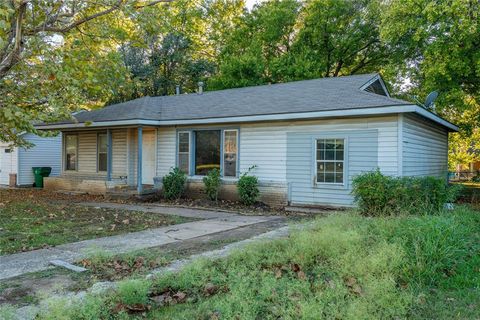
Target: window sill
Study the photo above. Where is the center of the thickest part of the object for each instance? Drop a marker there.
(338, 186)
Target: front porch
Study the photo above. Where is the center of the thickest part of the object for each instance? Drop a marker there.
(108, 161)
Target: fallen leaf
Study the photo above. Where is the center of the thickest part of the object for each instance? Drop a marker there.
(301, 275)
(180, 296)
(350, 281)
(126, 221)
(210, 289)
(278, 273)
(296, 267)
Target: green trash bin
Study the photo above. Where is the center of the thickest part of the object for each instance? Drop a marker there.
(39, 173)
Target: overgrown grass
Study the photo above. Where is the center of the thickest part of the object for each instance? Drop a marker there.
(345, 267)
(31, 221)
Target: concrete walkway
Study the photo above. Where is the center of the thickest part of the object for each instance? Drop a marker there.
(38, 260)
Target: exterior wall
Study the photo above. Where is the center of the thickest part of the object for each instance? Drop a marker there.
(8, 163)
(47, 152)
(87, 156)
(424, 147)
(361, 155)
(265, 146)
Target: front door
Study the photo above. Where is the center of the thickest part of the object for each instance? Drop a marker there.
(6, 164)
(148, 156)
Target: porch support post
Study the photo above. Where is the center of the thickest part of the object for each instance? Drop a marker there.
(139, 161)
(109, 155)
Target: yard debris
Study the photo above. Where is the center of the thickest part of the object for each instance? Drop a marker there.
(210, 289)
(66, 265)
(353, 286)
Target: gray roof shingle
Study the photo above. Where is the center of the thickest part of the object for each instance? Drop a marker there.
(325, 94)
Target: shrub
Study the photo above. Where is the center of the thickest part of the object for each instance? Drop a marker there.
(377, 194)
(212, 183)
(174, 184)
(248, 188)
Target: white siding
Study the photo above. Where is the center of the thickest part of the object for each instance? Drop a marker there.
(166, 149)
(119, 152)
(361, 155)
(265, 144)
(87, 154)
(8, 163)
(47, 152)
(425, 147)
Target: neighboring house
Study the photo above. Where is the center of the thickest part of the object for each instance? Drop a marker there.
(307, 139)
(16, 163)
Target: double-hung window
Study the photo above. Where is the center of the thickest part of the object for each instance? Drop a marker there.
(184, 151)
(205, 150)
(102, 152)
(71, 146)
(330, 157)
(230, 153)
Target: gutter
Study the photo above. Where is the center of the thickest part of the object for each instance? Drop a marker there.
(257, 118)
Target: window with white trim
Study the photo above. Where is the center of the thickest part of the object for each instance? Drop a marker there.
(330, 166)
(102, 154)
(71, 148)
(184, 151)
(230, 153)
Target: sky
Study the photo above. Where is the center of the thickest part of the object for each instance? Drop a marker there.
(250, 3)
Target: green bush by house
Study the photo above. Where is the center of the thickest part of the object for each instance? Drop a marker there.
(174, 184)
(212, 182)
(247, 187)
(377, 194)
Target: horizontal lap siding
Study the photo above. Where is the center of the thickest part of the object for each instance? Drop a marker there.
(265, 144)
(361, 156)
(87, 152)
(166, 142)
(425, 147)
(119, 152)
(47, 152)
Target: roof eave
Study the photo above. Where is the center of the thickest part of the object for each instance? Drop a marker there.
(372, 111)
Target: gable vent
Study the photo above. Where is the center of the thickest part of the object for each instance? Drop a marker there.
(377, 88)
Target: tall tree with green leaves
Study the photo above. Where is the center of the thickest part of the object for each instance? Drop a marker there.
(46, 50)
(437, 48)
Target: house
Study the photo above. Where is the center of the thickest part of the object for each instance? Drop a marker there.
(16, 163)
(306, 139)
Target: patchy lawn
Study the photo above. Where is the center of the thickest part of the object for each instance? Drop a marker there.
(344, 267)
(31, 219)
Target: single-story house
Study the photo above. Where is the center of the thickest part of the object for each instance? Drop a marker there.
(306, 139)
(16, 163)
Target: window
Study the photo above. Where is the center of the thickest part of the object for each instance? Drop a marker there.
(230, 153)
(71, 143)
(8, 150)
(102, 152)
(330, 154)
(184, 151)
(207, 151)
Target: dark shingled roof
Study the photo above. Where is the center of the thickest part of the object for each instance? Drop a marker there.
(341, 93)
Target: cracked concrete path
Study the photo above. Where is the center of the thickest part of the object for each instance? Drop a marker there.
(38, 260)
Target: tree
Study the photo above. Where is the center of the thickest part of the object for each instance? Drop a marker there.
(39, 59)
(254, 51)
(338, 37)
(284, 40)
(177, 46)
(437, 48)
